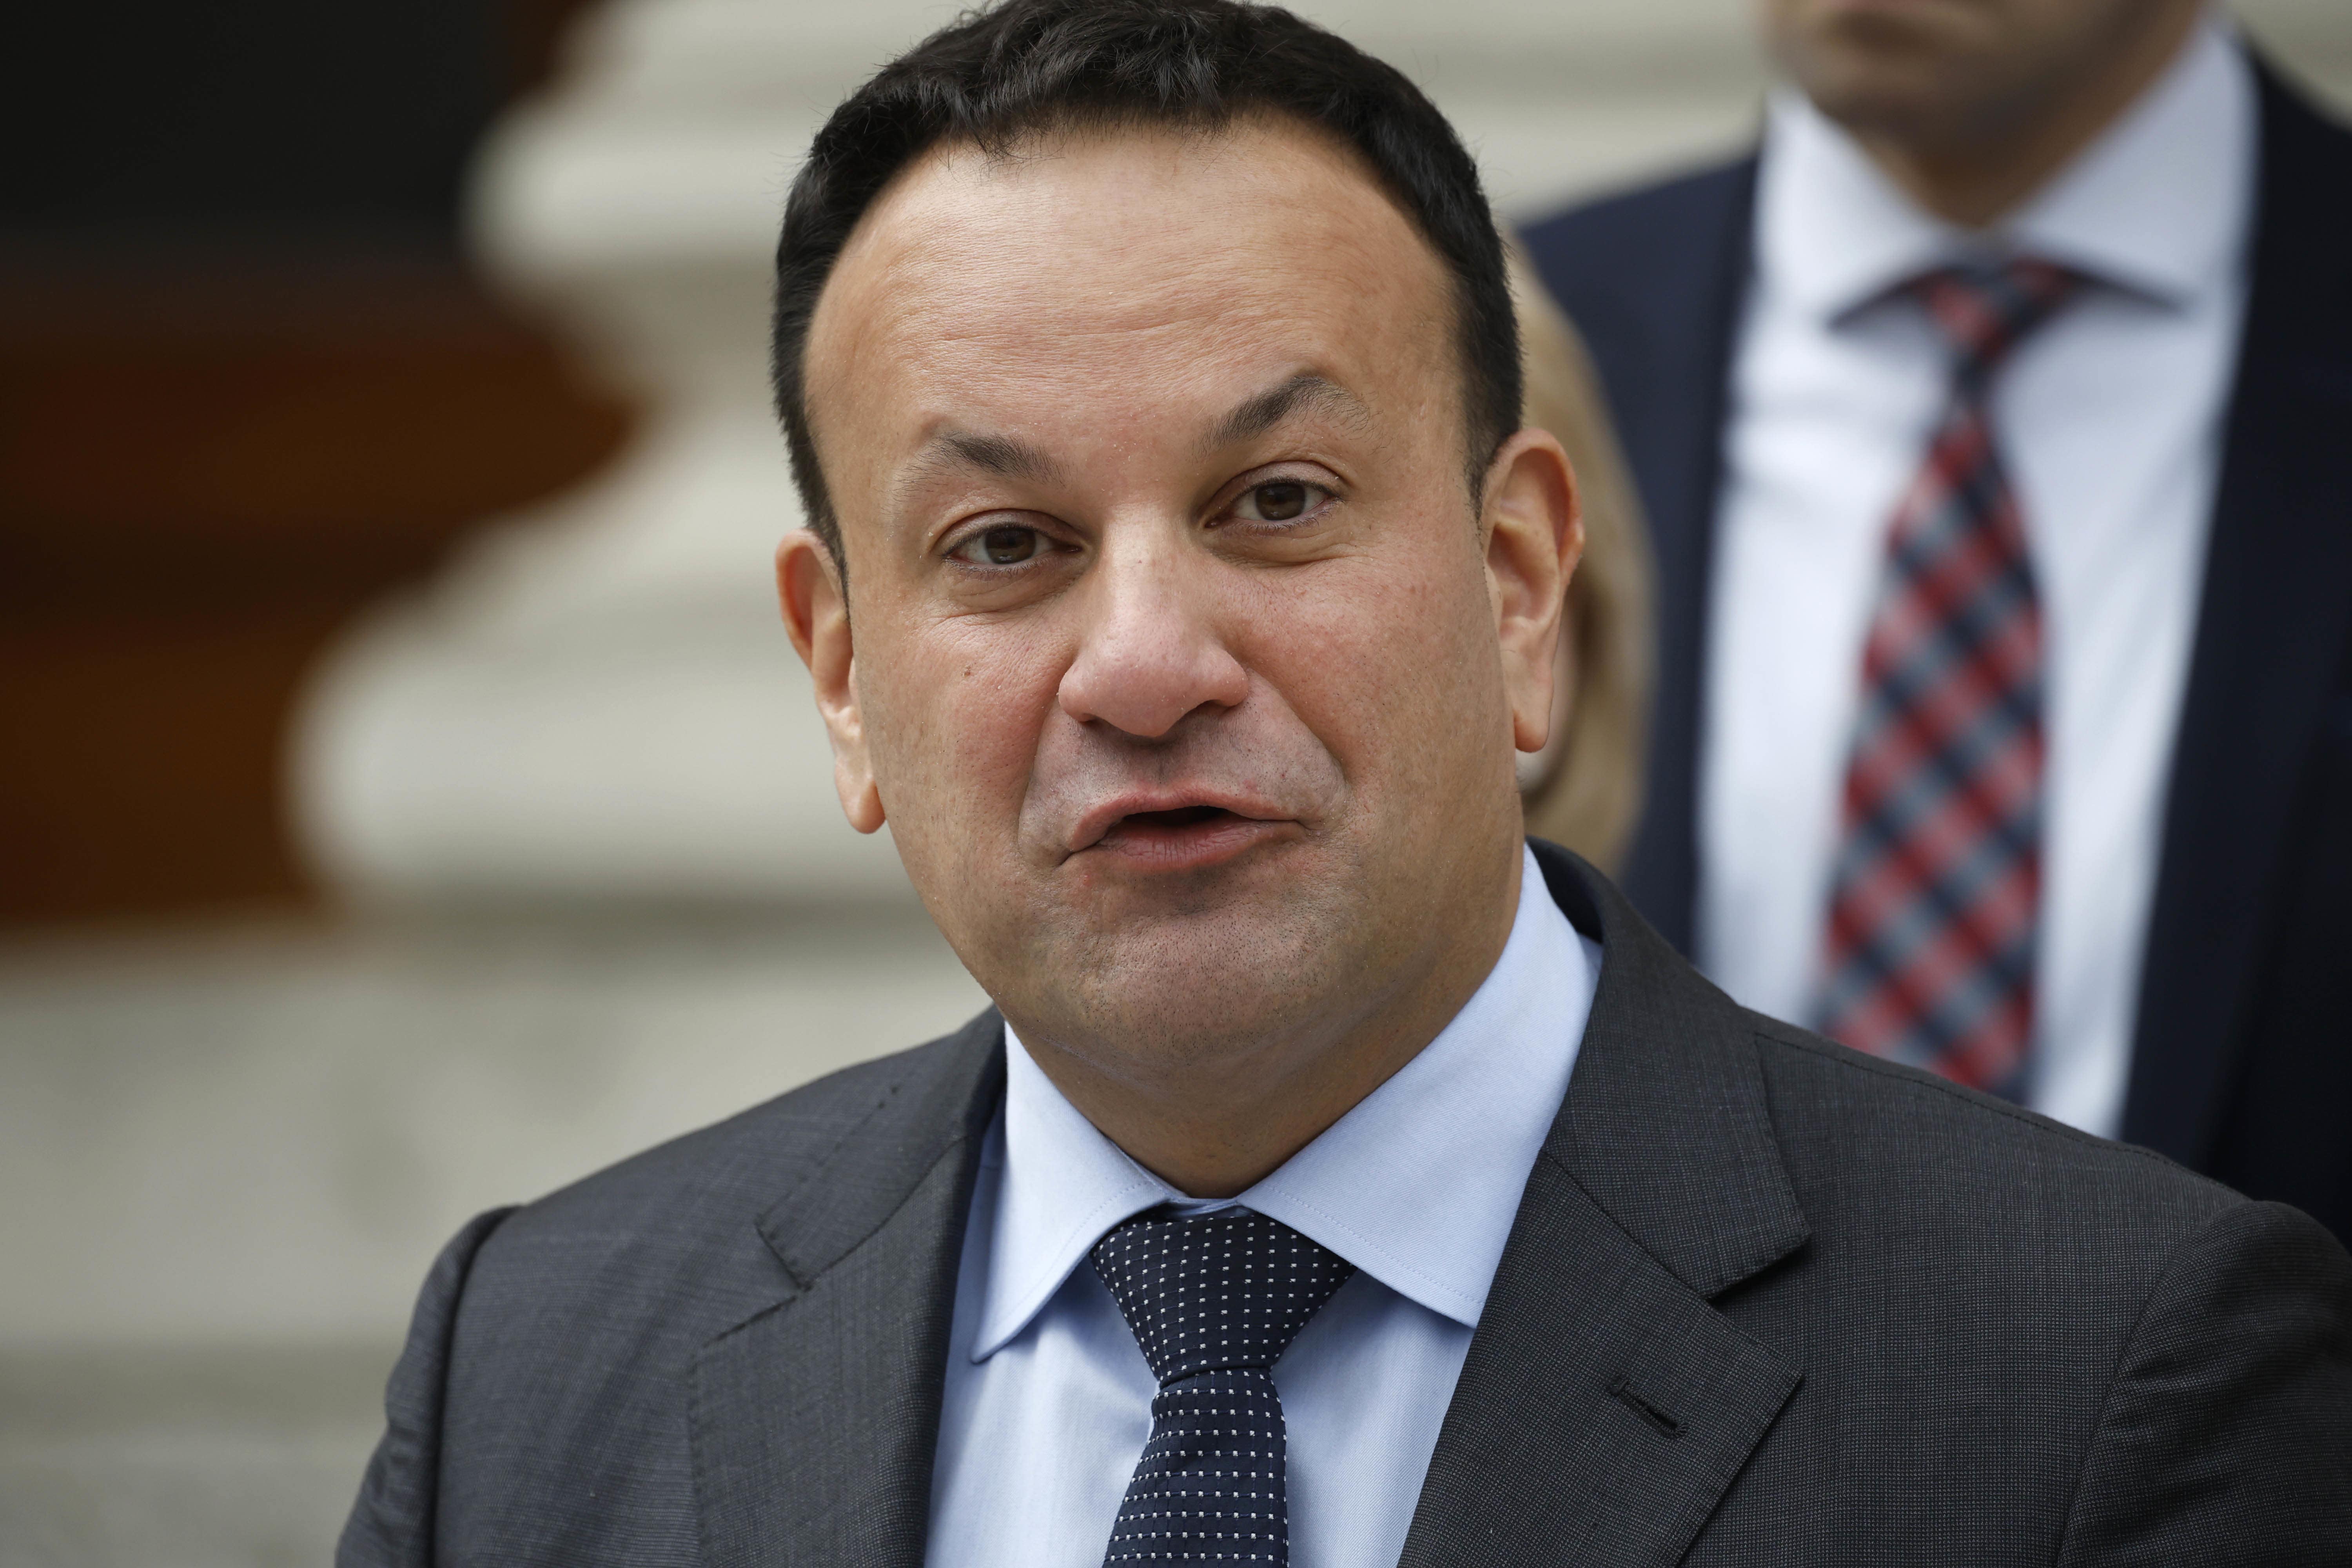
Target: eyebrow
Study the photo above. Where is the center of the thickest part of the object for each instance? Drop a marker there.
(1007, 458)
(999, 455)
(1260, 414)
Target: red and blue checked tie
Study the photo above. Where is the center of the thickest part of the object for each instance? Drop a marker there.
(1928, 956)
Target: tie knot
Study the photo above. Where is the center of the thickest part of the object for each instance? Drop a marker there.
(1986, 309)
(1227, 1289)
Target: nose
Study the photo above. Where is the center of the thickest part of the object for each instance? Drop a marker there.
(1150, 654)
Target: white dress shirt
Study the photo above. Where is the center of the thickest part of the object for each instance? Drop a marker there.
(1048, 1399)
(2109, 419)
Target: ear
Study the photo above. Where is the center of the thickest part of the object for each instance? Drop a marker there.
(1535, 536)
(817, 614)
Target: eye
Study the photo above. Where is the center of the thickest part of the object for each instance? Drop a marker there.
(1277, 501)
(1001, 544)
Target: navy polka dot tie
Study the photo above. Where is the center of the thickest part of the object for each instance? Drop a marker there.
(1214, 1302)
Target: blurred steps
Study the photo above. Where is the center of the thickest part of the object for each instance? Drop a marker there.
(230, 1156)
(184, 1457)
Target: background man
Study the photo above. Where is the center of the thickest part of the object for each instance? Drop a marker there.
(1991, 427)
(1180, 591)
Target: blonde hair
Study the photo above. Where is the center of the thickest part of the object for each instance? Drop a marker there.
(1584, 788)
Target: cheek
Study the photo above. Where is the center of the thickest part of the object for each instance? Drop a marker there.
(1390, 661)
(953, 725)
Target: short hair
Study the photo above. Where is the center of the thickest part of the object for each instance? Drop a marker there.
(1027, 67)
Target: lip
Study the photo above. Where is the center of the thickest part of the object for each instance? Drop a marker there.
(1107, 829)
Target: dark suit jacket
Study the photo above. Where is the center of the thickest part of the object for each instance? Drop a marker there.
(2242, 1058)
(1766, 1301)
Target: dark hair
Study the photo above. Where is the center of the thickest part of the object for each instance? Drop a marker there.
(1027, 66)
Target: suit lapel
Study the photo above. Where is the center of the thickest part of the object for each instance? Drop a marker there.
(1605, 1405)
(2271, 630)
(815, 1421)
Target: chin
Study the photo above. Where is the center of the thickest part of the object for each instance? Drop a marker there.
(1916, 109)
(1890, 70)
(1191, 988)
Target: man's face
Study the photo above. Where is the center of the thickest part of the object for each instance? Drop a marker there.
(1175, 653)
(1939, 74)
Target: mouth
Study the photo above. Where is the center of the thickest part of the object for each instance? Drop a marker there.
(1184, 838)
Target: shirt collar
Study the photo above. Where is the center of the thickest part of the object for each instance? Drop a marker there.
(1416, 1186)
(2157, 206)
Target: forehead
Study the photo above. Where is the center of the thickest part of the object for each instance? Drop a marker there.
(1130, 264)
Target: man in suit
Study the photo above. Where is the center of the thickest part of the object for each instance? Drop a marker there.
(2061, 290)
(1339, 1179)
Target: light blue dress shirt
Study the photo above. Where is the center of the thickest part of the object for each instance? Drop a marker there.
(1048, 1400)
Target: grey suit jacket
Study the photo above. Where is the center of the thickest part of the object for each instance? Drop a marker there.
(1766, 1301)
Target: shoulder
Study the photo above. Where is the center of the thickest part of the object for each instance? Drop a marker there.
(1618, 242)
(763, 1149)
(547, 1358)
(552, 1352)
(1882, 1114)
(2027, 1332)
(1885, 1156)
(2313, 142)
(2303, 226)
(1650, 278)
(670, 1237)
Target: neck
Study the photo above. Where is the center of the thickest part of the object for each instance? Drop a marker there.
(1215, 1132)
(1977, 173)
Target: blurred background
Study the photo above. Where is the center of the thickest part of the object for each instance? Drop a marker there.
(409, 800)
